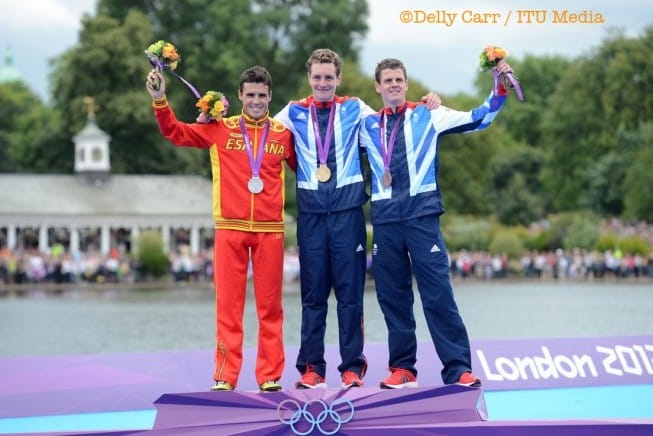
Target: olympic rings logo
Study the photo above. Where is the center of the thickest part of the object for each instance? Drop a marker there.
(326, 415)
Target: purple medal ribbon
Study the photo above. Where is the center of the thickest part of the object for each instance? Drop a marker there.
(254, 164)
(386, 148)
(159, 66)
(513, 80)
(323, 147)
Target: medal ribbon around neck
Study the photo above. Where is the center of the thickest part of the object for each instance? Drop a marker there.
(254, 164)
(387, 147)
(323, 147)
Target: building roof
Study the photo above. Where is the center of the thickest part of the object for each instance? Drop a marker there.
(52, 196)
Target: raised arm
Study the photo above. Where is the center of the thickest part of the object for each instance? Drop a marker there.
(177, 132)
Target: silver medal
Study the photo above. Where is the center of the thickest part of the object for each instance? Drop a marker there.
(255, 185)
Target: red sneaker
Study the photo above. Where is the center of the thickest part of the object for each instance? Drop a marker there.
(469, 379)
(311, 380)
(400, 378)
(350, 378)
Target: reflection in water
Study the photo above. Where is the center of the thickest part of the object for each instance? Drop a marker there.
(92, 321)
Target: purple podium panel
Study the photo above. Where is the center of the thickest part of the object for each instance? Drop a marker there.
(318, 411)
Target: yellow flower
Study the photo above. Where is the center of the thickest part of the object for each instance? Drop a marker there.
(218, 107)
(213, 104)
(169, 52)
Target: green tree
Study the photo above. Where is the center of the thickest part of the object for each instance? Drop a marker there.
(638, 197)
(150, 255)
(24, 121)
(217, 41)
(602, 93)
(515, 190)
(106, 66)
(507, 241)
(583, 232)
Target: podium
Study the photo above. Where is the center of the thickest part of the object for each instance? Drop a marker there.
(318, 411)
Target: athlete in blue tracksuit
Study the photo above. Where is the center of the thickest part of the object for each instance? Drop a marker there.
(331, 232)
(402, 148)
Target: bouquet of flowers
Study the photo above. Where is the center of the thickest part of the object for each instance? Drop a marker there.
(489, 58)
(163, 54)
(212, 105)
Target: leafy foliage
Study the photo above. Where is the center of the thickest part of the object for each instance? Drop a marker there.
(606, 91)
(150, 255)
(507, 242)
(515, 189)
(24, 122)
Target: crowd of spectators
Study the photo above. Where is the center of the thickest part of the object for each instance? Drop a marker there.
(558, 264)
(58, 265)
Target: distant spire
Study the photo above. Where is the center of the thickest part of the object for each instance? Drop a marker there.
(90, 107)
(92, 147)
(8, 72)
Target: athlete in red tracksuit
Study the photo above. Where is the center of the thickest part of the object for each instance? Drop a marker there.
(245, 219)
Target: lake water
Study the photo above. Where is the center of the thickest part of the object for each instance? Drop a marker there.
(108, 321)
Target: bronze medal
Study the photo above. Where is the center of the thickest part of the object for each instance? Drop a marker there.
(323, 173)
(255, 185)
(387, 179)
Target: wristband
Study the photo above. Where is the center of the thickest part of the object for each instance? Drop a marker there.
(158, 103)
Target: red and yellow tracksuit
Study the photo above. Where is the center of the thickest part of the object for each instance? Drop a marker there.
(243, 221)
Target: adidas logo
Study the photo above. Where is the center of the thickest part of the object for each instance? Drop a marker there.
(435, 248)
(374, 249)
(301, 116)
(359, 248)
(375, 126)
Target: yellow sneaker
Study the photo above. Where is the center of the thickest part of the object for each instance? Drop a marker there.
(270, 386)
(221, 385)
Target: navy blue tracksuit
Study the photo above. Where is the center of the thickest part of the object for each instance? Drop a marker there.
(331, 232)
(407, 239)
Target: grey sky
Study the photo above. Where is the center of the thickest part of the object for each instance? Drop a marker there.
(442, 54)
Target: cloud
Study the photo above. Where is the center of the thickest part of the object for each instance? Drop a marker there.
(439, 41)
(35, 31)
(34, 15)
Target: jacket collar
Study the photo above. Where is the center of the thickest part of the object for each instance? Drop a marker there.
(400, 109)
(252, 122)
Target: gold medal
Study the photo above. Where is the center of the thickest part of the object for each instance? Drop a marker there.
(387, 179)
(323, 173)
